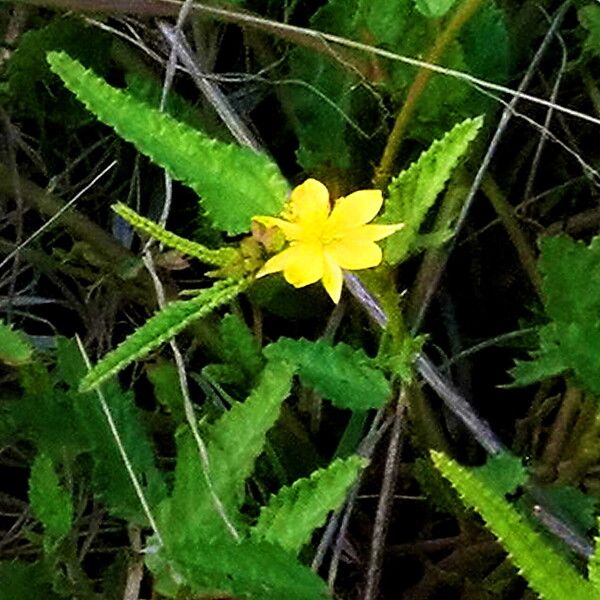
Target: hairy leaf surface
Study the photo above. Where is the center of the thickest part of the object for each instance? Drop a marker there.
(220, 257)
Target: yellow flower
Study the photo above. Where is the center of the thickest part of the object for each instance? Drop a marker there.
(323, 241)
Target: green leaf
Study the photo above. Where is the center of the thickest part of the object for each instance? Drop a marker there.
(572, 506)
(386, 20)
(245, 569)
(70, 366)
(220, 257)
(347, 377)
(571, 289)
(25, 581)
(547, 572)
(160, 328)
(322, 106)
(149, 90)
(165, 380)
(571, 272)
(434, 8)
(233, 182)
(110, 479)
(46, 416)
(33, 88)
(50, 502)
(239, 345)
(235, 441)
(293, 514)
(546, 362)
(238, 437)
(486, 44)
(65, 425)
(14, 349)
(589, 17)
(413, 192)
(502, 473)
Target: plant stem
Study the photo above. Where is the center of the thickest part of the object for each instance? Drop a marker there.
(384, 170)
(571, 404)
(505, 212)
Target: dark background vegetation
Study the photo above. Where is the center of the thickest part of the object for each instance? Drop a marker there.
(70, 278)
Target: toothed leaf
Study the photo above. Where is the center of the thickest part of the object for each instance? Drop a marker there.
(239, 346)
(246, 569)
(292, 515)
(571, 290)
(340, 373)
(235, 441)
(219, 258)
(547, 572)
(14, 350)
(160, 328)
(234, 182)
(412, 193)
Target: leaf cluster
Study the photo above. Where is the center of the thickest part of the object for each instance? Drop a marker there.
(570, 342)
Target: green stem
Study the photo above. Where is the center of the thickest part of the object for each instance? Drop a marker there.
(465, 11)
(435, 258)
(505, 212)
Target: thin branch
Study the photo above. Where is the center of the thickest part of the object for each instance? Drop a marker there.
(466, 10)
(302, 36)
(386, 499)
(118, 440)
(507, 114)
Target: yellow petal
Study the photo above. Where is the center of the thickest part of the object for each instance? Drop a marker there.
(373, 233)
(333, 278)
(356, 209)
(291, 231)
(304, 264)
(309, 204)
(355, 254)
(276, 263)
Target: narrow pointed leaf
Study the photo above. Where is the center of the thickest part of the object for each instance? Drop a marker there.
(547, 572)
(219, 258)
(161, 328)
(235, 441)
(234, 182)
(414, 191)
